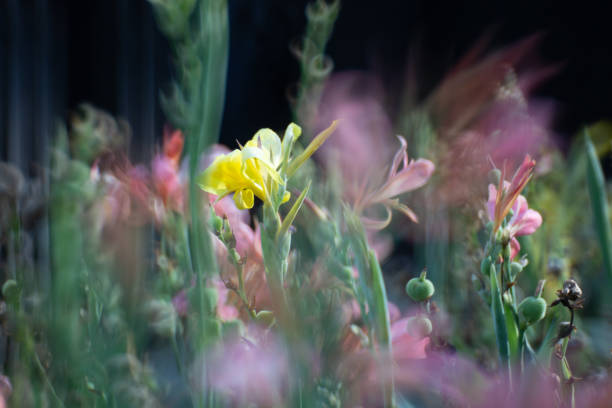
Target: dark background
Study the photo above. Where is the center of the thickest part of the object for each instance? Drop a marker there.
(57, 54)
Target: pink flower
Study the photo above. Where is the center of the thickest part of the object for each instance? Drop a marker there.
(225, 310)
(414, 174)
(524, 221)
(405, 346)
(167, 182)
(165, 168)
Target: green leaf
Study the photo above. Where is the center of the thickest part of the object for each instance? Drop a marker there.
(293, 212)
(499, 320)
(599, 204)
(512, 330)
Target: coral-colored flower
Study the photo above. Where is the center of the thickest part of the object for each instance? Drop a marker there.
(165, 169)
(173, 145)
(524, 221)
(507, 195)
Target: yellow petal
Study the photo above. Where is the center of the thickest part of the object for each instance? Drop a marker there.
(270, 144)
(244, 199)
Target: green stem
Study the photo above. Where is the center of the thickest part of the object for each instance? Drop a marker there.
(43, 373)
(567, 373)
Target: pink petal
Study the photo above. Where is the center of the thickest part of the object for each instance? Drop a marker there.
(406, 347)
(400, 157)
(491, 202)
(394, 312)
(409, 178)
(515, 248)
(529, 223)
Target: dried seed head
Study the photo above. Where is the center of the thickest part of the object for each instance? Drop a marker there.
(571, 290)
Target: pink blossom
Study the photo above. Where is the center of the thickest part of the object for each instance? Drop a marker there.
(524, 221)
(405, 346)
(167, 182)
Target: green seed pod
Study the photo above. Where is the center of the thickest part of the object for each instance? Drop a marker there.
(420, 289)
(532, 309)
(419, 326)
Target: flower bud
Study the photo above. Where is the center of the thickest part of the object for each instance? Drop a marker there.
(485, 266)
(515, 269)
(419, 326)
(217, 222)
(266, 317)
(11, 291)
(494, 177)
(532, 309)
(420, 289)
(506, 251)
(235, 256)
(227, 235)
(163, 317)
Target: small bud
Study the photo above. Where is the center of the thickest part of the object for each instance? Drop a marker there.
(515, 269)
(419, 326)
(506, 247)
(485, 266)
(163, 317)
(420, 289)
(532, 309)
(507, 298)
(217, 223)
(234, 255)
(11, 291)
(226, 235)
(494, 177)
(265, 316)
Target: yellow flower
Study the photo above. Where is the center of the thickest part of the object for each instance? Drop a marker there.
(260, 168)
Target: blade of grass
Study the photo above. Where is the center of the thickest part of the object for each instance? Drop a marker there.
(499, 322)
(599, 204)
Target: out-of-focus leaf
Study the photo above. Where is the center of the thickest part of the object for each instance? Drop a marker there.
(599, 204)
(601, 136)
(499, 320)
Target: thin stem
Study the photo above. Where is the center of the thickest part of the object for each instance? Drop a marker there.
(43, 372)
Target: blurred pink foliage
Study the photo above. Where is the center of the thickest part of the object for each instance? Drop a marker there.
(252, 370)
(483, 110)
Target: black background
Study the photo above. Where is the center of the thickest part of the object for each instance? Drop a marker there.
(57, 54)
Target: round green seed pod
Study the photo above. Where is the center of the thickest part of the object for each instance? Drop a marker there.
(532, 309)
(419, 326)
(420, 289)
